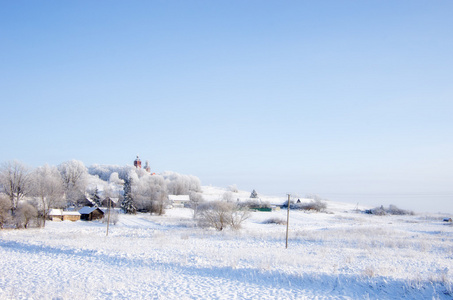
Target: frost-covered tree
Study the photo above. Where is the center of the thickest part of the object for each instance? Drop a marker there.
(227, 197)
(25, 214)
(254, 194)
(74, 176)
(196, 199)
(47, 189)
(15, 181)
(5, 209)
(128, 202)
(233, 188)
(105, 171)
(178, 184)
(151, 194)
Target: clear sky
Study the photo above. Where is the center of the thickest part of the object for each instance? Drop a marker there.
(352, 100)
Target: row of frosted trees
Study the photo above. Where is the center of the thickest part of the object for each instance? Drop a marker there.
(27, 194)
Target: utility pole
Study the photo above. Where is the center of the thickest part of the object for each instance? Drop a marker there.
(108, 218)
(287, 222)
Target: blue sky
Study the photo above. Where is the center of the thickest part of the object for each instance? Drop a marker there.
(351, 100)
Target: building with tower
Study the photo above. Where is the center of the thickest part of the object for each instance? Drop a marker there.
(138, 163)
(147, 167)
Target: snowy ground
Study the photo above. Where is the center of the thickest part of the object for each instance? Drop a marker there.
(336, 255)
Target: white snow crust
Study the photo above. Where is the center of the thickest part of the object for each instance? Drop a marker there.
(339, 254)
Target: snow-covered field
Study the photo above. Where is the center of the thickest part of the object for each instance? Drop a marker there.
(337, 255)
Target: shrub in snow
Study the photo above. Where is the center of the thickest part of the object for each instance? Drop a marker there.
(315, 205)
(391, 210)
(277, 221)
(25, 214)
(254, 194)
(220, 215)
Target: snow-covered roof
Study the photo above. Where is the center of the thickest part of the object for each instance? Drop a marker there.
(55, 212)
(87, 210)
(71, 213)
(178, 197)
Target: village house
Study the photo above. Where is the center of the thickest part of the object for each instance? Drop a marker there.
(110, 202)
(88, 213)
(60, 215)
(179, 200)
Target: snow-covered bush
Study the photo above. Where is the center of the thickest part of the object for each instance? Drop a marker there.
(195, 200)
(25, 214)
(277, 221)
(391, 210)
(220, 215)
(315, 205)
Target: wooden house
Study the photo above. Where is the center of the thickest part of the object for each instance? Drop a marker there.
(55, 214)
(91, 213)
(60, 215)
(109, 202)
(71, 216)
(179, 200)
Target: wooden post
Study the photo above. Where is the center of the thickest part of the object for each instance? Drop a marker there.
(287, 222)
(108, 217)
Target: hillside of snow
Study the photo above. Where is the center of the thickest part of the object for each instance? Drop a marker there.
(337, 254)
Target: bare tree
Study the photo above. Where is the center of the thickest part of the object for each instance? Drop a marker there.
(48, 189)
(74, 175)
(15, 181)
(195, 200)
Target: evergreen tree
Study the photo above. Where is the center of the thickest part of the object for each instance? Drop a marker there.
(97, 198)
(254, 194)
(127, 205)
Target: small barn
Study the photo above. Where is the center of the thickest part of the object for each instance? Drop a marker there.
(91, 213)
(55, 214)
(60, 215)
(179, 200)
(71, 216)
